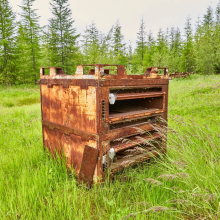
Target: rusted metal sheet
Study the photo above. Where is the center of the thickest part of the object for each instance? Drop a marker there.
(138, 95)
(89, 161)
(125, 162)
(153, 71)
(127, 131)
(180, 75)
(133, 114)
(81, 122)
(71, 146)
(67, 82)
(133, 82)
(67, 106)
(69, 130)
(133, 141)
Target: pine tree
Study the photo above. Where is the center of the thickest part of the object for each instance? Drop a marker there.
(217, 14)
(106, 53)
(172, 38)
(117, 39)
(175, 45)
(91, 44)
(119, 49)
(130, 52)
(23, 55)
(85, 45)
(30, 32)
(150, 39)
(46, 59)
(217, 38)
(7, 43)
(150, 50)
(141, 41)
(204, 55)
(205, 44)
(63, 36)
(161, 56)
(93, 34)
(208, 17)
(187, 60)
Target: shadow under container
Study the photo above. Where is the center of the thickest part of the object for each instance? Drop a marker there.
(88, 117)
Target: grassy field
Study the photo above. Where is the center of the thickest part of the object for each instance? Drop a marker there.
(185, 185)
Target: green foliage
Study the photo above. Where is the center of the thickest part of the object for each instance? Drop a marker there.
(140, 50)
(91, 45)
(205, 53)
(119, 48)
(187, 59)
(19, 96)
(7, 43)
(25, 46)
(62, 37)
(208, 17)
(28, 43)
(141, 41)
(160, 55)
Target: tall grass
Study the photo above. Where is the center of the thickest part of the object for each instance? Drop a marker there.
(183, 185)
(19, 95)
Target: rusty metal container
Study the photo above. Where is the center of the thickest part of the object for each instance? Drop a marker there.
(86, 116)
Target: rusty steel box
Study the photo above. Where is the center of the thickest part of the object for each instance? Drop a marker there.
(98, 117)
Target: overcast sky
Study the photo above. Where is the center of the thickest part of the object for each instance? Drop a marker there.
(156, 13)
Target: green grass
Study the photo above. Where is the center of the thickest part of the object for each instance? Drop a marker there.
(183, 186)
(19, 96)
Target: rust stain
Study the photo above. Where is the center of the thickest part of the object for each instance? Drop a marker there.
(180, 75)
(79, 122)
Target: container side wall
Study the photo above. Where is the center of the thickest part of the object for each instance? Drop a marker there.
(73, 107)
(70, 146)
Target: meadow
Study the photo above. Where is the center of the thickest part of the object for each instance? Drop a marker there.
(183, 185)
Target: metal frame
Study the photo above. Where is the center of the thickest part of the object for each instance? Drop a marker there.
(75, 115)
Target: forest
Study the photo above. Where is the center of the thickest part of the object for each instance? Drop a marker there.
(25, 45)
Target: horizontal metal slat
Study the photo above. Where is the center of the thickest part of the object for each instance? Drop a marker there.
(133, 114)
(125, 96)
(133, 141)
(127, 162)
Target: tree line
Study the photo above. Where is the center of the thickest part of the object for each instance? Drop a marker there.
(25, 45)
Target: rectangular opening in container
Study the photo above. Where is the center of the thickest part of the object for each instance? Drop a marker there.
(135, 107)
(135, 154)
(135, 90)
(110, 70)
(46, 71)
(135, 122)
